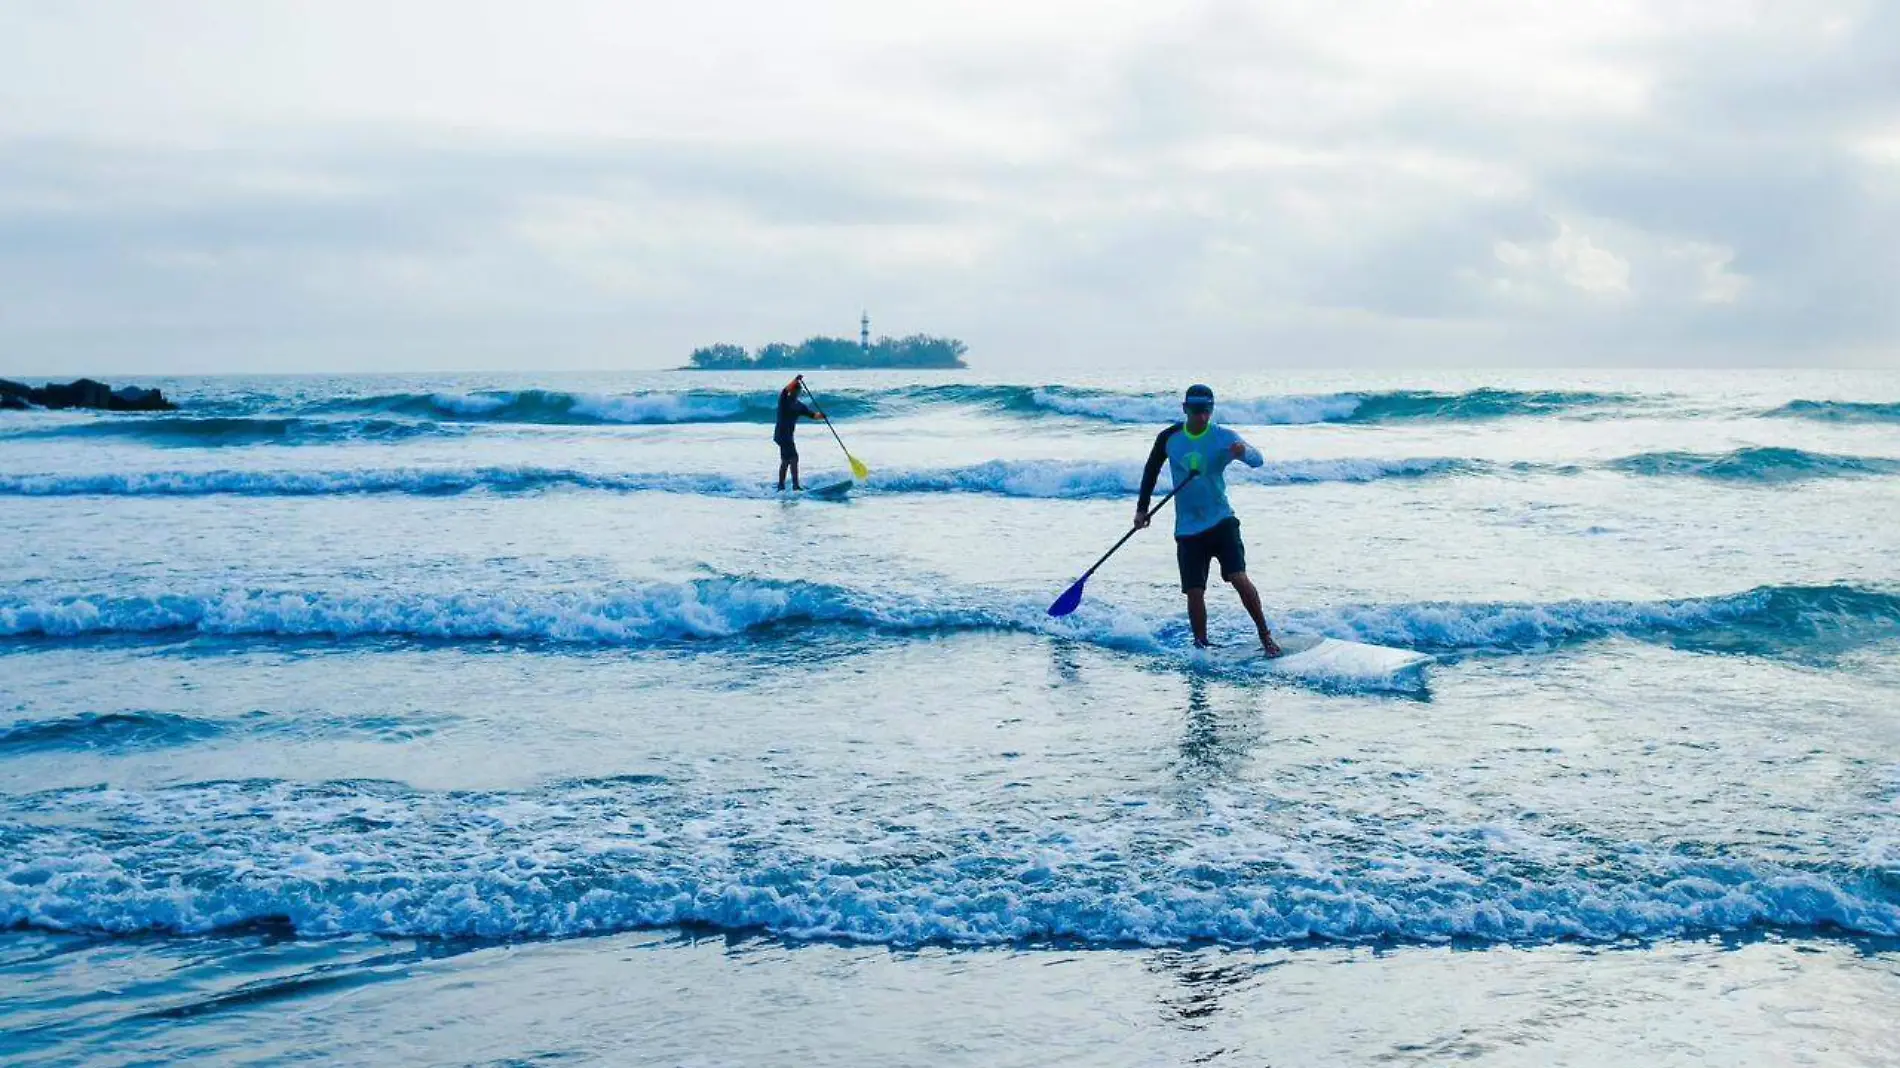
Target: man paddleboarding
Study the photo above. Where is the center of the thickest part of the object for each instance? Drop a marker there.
(1205, 526)
(790, 408)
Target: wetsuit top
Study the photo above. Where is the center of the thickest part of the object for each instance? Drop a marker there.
(1202, 503)
(789, 409)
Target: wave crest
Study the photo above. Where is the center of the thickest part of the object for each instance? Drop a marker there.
(556, 407)
(591, 858)
(1759, 464)
(1769, 620)
(664, 407)
(1840, 411)
(1054, 479)
(215, 431)
(105, 730)
(420, 481)
(1374, 407)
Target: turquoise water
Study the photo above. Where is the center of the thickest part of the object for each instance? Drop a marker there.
(515, 718)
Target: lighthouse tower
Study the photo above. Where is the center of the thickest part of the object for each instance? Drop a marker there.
(864, 332)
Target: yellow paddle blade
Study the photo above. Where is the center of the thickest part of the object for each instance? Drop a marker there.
(858, 468)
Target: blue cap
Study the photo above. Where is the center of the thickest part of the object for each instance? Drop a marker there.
(1199, 397)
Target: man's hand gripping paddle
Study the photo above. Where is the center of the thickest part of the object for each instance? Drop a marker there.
(1071, 598)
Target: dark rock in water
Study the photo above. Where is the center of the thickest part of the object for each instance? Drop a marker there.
(84, 393)
(132, 398)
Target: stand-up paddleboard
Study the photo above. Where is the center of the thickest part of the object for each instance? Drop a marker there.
(1319, 659)
(834, 492)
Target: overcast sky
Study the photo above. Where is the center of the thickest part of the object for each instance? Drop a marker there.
(192, 186)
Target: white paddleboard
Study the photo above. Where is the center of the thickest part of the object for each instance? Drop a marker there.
(835, 491)
(1314, 658)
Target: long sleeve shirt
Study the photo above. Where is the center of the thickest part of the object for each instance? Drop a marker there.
(1202, 503)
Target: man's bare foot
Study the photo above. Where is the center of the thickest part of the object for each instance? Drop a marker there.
(1267, 643)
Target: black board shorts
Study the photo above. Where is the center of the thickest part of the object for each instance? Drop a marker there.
(787, 452)
(1218, 542)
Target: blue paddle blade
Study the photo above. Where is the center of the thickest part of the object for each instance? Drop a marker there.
(1070, 600)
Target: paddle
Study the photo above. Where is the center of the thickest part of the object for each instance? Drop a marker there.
(857, 466)
(1071, 598)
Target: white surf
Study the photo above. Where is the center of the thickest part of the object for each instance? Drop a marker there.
(1315, 658)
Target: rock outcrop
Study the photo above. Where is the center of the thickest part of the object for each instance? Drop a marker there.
(85, 393)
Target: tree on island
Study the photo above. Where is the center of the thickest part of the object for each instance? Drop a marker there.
(721, 357)
(915, 351)
(776, 354)
(919, 350)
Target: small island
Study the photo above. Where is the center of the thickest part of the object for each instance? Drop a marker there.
(915, 351)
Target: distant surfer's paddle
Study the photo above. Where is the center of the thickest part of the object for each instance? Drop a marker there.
(857, 466)
(1071, 598)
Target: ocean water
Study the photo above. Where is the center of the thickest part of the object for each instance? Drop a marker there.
(517, 720)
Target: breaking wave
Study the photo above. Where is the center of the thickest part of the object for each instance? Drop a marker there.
(109, 730)
(1765, 620)
(598, 856)
(1058, 479)
(265, 417)
(213, 431)
(1756, 465)
(420, 481)
(697, 406)
(1047, 479)
(1840, 411)
(1376, 407)
(587, 409)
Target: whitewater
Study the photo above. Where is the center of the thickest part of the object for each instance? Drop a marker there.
(406, 716)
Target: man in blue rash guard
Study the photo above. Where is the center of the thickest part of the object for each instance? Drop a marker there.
(789, 410)
(1205, 527)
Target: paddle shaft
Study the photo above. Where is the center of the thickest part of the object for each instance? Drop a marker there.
(1192, 475)
(827, 419)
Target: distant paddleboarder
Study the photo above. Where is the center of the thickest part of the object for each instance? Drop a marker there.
(1205, 527)
(790, 408)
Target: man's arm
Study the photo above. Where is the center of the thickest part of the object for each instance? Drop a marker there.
(1246, 453)
(1152, 473)
(802, 409)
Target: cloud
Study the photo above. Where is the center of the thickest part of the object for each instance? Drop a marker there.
(286, 187)
(1569, 260)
